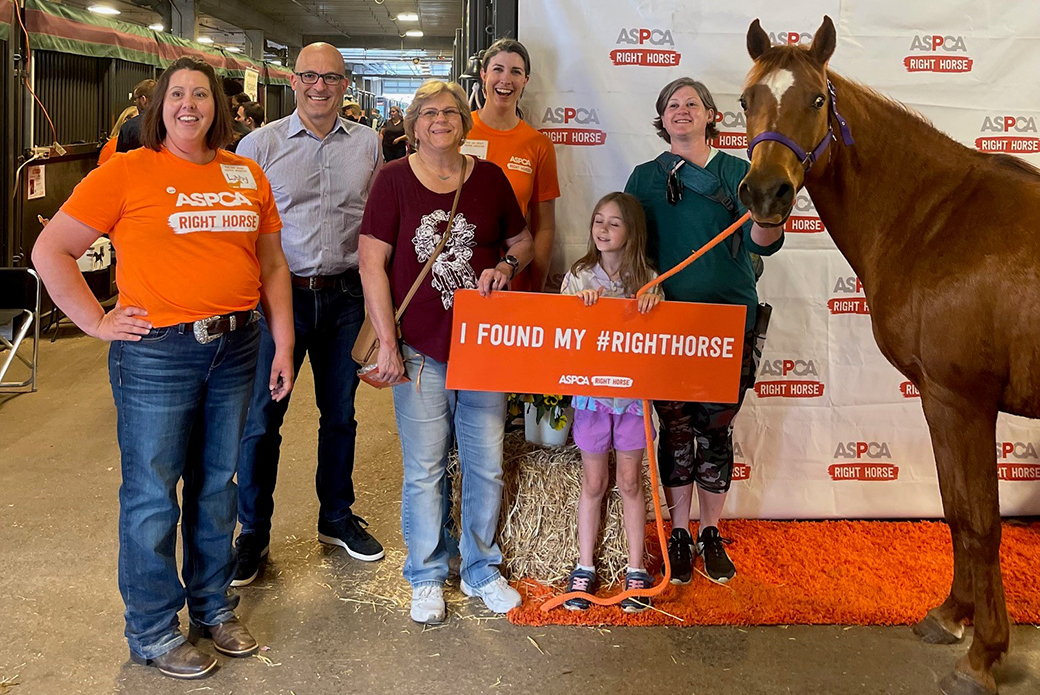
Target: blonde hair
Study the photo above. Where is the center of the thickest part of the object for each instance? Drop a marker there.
(128, 113)
(429, 90)
(636, 269)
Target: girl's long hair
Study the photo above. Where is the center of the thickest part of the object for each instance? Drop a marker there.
(636, 269)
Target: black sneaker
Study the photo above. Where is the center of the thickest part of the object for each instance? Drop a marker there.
(637, 580)
(581, 580)
(249, 551)
(711, 546)
(680, 556)
(350, 535)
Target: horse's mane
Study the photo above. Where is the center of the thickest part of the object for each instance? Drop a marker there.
(787, 57)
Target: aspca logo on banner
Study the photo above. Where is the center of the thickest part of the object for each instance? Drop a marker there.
(568, 116)
(1018, 461)
(843, 301)
(908, 390)
(804, 219)
(1018, 135)
(789, 378)
(634, 48)
(732, 131)
(938, 53)
(741, 471)
(790, 38)
(863, 461)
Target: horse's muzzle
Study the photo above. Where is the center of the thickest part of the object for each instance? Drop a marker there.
(769, 198)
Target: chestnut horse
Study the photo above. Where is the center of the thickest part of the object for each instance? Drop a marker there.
(946, 241)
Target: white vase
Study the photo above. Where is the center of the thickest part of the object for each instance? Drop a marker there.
(542, 433)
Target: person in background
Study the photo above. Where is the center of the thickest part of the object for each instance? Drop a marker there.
(183, 353)
(109, 147)
(526, 156)
(321, 169)
(392, 135)
(374, 119)
(406, 215)
(250, 115)
(129, 137)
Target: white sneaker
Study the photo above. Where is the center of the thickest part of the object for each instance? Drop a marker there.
(428, 604)
(498, 596)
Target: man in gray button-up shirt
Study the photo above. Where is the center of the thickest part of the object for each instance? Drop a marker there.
(321, 168)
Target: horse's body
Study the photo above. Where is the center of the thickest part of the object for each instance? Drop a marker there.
(946, 242)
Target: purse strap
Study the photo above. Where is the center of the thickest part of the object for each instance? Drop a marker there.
(436, 251)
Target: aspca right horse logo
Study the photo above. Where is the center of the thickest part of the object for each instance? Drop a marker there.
(908, 390)
(938, 53)
(741, 470)
(804, 218)
(847, 297)
(646, 47)
(732, 131)
(863, 461)
(1018, 461)
(567, 115)
(790, 38)
(1014, 134)
(789, 378)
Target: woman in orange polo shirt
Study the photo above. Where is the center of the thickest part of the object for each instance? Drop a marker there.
(526, 156)
(196, 231)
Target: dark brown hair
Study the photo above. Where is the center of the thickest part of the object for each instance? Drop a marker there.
(507, 46)
(710, 131)
(221, 130)
(636, 269)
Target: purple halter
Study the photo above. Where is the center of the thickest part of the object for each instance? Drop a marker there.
(809, 158)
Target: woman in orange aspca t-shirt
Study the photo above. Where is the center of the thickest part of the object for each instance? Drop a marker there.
(196, 233)
(526, 156)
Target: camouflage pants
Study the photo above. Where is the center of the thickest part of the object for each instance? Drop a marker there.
(696, 443)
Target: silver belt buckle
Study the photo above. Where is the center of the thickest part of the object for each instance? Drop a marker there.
(202, 334)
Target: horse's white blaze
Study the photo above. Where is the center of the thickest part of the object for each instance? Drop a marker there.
(779, 81)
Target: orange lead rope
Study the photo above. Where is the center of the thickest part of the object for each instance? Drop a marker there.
(647, 428)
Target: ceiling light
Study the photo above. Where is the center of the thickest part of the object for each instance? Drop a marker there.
(408, 17)
(233, 49)
(103, 9)
(414, 32)
(276, 62)
(155, 27)
(204, 39)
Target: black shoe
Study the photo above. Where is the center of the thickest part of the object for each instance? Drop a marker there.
(637, 580)
(580, 580)
(249, 550)
(680, 556)
(711, 546)
(350, 535)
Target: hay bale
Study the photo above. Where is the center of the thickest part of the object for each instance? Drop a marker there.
(538, 525)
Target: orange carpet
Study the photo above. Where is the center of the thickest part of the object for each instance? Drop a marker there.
(815, 573)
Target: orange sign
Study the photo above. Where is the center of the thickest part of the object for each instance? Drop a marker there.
(521, 342)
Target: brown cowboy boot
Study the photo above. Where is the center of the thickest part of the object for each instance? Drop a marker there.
(230, 638)
(183, 661)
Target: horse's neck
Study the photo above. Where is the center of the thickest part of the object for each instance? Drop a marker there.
(865, 195)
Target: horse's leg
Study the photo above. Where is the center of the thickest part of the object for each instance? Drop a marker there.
(963, 438)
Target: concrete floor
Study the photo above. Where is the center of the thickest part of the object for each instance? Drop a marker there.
(334, 625)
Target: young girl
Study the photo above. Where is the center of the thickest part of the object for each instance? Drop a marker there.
(615, 266)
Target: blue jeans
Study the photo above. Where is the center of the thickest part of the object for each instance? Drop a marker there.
(181, 407)
(326, 323)
(427, 413)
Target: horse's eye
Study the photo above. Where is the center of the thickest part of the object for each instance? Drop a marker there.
(743, 104)
(819, 101)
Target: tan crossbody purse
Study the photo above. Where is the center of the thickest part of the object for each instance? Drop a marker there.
(366, 347)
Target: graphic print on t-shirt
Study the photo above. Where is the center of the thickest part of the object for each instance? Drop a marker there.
(213, 219)
(452, 270)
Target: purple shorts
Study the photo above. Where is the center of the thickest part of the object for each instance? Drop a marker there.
(599, 431)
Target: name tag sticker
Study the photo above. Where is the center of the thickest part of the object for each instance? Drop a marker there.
(238, 176)
(477, 148)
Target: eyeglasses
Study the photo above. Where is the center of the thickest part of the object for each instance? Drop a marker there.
(430, 114)
(332, 79)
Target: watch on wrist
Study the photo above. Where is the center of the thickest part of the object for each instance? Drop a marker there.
(512, 262)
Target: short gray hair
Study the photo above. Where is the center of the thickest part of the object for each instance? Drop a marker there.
(669, 90)
(428, 90)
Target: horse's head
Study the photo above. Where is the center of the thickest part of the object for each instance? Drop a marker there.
(786, 102)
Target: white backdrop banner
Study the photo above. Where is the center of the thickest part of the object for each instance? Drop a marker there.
(831, 429)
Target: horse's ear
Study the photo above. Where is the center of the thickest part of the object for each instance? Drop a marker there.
(823, 42)
(757, 40)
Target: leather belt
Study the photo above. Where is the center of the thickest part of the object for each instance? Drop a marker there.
(208, 330)
(323, 282)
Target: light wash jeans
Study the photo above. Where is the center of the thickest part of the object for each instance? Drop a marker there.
(426, 413)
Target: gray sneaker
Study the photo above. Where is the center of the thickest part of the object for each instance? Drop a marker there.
(498, 596)
(428, 604)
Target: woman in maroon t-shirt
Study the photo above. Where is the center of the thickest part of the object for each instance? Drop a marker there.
(405, 218)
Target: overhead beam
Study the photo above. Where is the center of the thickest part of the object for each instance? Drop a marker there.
(245, 17)
(428, 43)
